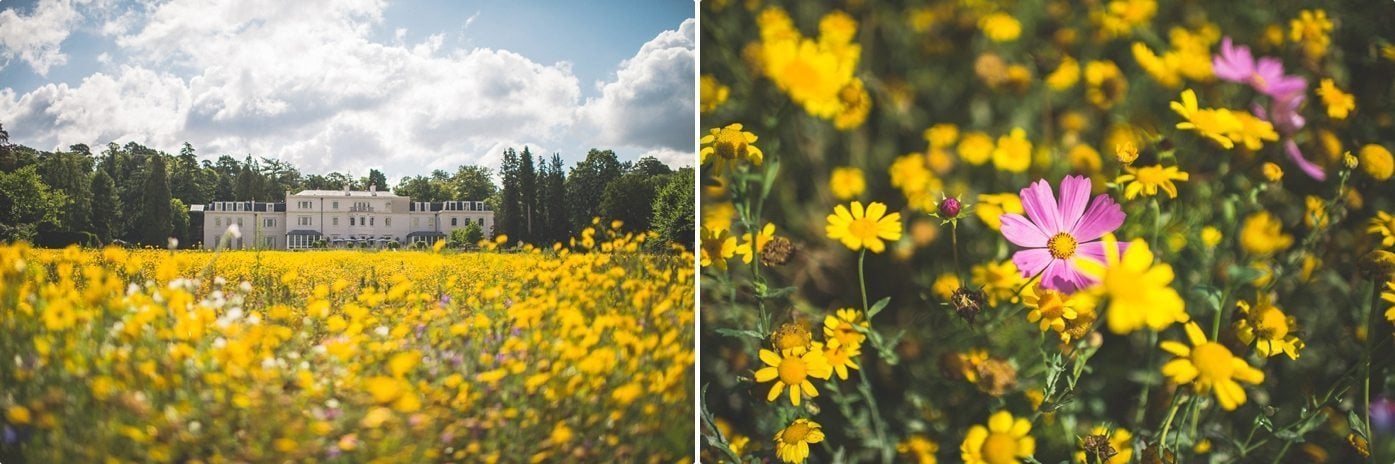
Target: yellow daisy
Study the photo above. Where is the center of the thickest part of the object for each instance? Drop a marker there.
(847, 182)
(861, 228)
(793, 371)
(751, 247)
(728, 145)
(1208, 365)
(717, 247)
(1384, 225)
(1148, 179)
(792, 443)
(1268, 327)
(842, 357)
(1005, 440)
(1338, 103)
(841, 326)
(1213, 124)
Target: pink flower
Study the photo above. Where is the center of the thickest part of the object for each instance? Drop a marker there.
(1284, 114)
(1266, 75)
(1059, 234)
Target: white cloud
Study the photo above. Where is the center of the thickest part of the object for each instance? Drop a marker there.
(650, 104)
(37, 37)
(304, 82)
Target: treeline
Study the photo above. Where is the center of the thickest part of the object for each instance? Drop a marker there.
(542, 202)
(140, 195)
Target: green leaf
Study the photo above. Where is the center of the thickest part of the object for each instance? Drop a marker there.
(772, 169)
(740, 333)
(1357, 425)
(878, 307)
(778, 293)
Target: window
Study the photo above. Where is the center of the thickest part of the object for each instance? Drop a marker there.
(452, 222)
(372, 221)
(239, 222)
(387, 222)
(351, 220)
(305, 221)
(336, 221)
(217, 222)
(336, 205)
(268, 222)
(481, 222)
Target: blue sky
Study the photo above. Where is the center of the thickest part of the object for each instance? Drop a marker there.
(348, 85)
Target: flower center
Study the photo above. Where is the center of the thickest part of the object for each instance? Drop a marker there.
(1258, 81)
(730, 143)
(793, 371)
(1062, 246)
(1152, 175)
(1272, 323)
(795, 433)
(1213, 361)
(1000, 448)
(864, 228)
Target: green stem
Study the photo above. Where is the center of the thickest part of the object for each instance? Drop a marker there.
(1370, 312)
(1167, 424)
(877, 424)
(1220, 309)
(1141, 411)
(954, 241)
(861, 279)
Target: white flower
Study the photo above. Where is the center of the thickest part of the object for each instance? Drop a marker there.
(234, 231)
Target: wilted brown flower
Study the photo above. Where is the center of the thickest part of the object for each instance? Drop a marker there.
(777, 251)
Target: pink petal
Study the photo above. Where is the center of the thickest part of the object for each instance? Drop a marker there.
(1095, 250)
(1075, 194)
(1062, 275)
(1021, 232)
(1030, 261)
(1103, 216)
(1040, 204)
(1312, 170)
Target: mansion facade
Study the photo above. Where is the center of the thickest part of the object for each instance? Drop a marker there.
(346, 218)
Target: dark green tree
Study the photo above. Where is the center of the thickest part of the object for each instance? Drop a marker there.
(473, 183)
(586, 185)
(554, 201)
(156, 218)
(179, 222)
(248, 180)
(25, 202)
(508, 216)
(527, 197)
(673, 210)
(650, 166)
(377, 179)
(106, 207)
(630, 198)
(67, 172)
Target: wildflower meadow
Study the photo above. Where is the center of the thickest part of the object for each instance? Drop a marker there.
(573, 353)
(1046, 231)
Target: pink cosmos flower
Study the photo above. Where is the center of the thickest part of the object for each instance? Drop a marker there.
(1059, 233)
(1284, 114)
(1266, 75)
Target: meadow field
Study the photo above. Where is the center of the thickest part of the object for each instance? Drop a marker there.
(573, 353)
(1045, 231)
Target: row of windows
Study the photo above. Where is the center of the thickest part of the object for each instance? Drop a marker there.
(266, 222)
(371, 221)
(239, 206)
(356, 206)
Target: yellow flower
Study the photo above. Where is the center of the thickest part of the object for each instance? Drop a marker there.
(855, 104)
(847, 182)
(1148, 179)
(561, 433)
(842, 357)
(728, 145)
(1000, 27)
(1053, 309)
(717, 247)
(1106, 84)
(1162, 68)
(1120, 440)
(811, 73)
(1388, 294)
(1316, 215)
(1384, 225)
(1210, 236)
(793, 371)
(1272, 171)
(1065, 76)
(1140, 293)
(1377, 162)
(712, 94)
(1210, 123)
(998, 280)
(1121, 17)
(1014, 152)
(792, 338)
(976, 148)
(945, 285)
(918, 449)
(1005, 440)
(1338, 103)
(842, 327)
(1252, 131)
(17, 415)
(1311, 28)
(1208, 365)
(1262, 234)
(864, 228)
(941, 135)
(1084, 158)
(792, 443)
(750, 248)
(1268, 327)
(1126, 153)
(992, 206)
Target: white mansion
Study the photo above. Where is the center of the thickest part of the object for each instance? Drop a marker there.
(339, 218)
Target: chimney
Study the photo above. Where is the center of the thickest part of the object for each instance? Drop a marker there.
(373, 189)
(346, 189)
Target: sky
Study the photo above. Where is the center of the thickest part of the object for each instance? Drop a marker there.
(404, 86)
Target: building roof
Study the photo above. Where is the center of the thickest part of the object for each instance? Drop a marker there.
(303, 232)
(341, 193)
